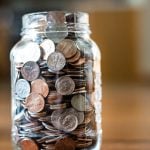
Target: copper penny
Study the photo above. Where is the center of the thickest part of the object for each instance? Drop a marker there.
(56, 61)
(81, 61)
(74, 58)
(40, 86)
(35, 103)
(65, 144)
(54, 98)
(65, 85)
(30, 71)
(28, 144)
(67, 47)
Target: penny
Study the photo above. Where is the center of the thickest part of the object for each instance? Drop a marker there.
(56, 61)
(54, 98)
(22, 88)
(65, 85)
(28, 144)
(65, 144)
(35, 103)
(81, 61)
(58, 106)
(67, 47)
(68, 122)
(79, 102)
(74, 58)
(30, 71)
(39, 86)
(48, 47)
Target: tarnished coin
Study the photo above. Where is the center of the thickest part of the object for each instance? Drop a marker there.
(65, 85)
(68, 122)
(56, 61)
(81, 61)
(54, 118)
(34, 103)
(67, 47)
(74, 58)
(30, 71)
(28, 144)
(54, 98)
(22, 88)
(58, 106)
(65, 144)
(48, 47)
(39, 86)
(79, 102)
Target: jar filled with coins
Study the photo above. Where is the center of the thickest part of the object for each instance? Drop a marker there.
(56, 84)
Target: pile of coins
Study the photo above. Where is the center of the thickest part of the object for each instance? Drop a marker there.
(53, 96)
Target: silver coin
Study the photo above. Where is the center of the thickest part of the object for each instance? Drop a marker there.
(56, 61)
(79, 102)
(22, 88)
(26, 50)
(48, 47)
(65, 85)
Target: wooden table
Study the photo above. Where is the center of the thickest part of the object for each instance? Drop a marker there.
(126, 117)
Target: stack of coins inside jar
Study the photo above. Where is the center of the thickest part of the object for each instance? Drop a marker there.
(54, 107)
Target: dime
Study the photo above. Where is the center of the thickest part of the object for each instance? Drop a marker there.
(34, 102)
(56, 61)
(28, 144)
(65, 144)
(39, 86)
(68, 122)
(22, 88)
(65, 85)
(67, 47)
(74, 58)
(48, 47)
(79, 102)
(30, 71)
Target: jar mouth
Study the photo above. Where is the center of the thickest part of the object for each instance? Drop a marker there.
(75, 21)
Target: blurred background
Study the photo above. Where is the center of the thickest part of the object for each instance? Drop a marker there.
(121, 28)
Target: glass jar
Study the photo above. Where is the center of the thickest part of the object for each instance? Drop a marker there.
(56, 84)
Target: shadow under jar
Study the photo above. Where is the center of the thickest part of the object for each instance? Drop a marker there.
(56, 84)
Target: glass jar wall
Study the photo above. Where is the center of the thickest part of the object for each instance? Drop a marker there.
(56, 84)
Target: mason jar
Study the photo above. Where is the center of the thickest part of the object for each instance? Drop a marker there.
(56, 84)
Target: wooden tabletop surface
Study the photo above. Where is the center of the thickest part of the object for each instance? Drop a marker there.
(126, 117)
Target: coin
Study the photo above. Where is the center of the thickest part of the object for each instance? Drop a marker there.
(26, 50)
(30, 71)
(28, 144)
(35, 102)
(75, 57)
(68, 122)
(65, 144)
(48, 47)
(65, 85)
(67, 47)
(79, 102)
(58, 106)
(56, 61)
(81, 61)
(40, 86)
(54, 98)
(22, 88)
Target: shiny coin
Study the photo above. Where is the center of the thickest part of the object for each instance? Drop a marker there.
(28, 144)
(26, 50)
(40, 86)
(67, 47)
(68, 122)
(79, 102)
(30, 71)
(74, 58)
(35, 102)
(22, 88)
(48, 47)
(65, 85)
(56, 61)
(65, 144)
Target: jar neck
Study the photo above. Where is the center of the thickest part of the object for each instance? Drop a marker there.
(42, 23)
